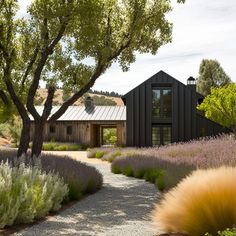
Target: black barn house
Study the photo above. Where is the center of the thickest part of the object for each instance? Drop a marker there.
(162, 110)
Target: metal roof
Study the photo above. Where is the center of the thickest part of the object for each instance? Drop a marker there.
(96, 113)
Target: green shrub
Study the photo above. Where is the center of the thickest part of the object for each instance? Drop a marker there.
(139, 173)
(128, 171)
(116, 170)
(152, 174)
(49, 146)
(113, 156)
(52, 146)
(227, 232)
(61, 148)
(91, 187)
(27, 193)
(99, 155)
(160, 183)
(75, 190)
(74, 148)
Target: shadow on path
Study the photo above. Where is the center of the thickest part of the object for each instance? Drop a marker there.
(121, 207)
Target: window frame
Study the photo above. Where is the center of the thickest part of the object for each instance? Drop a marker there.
(161, 127)
(161, 118)
(70, 129)
(52, 129)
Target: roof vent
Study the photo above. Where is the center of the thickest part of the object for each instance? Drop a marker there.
(191, 83)
(89, 103)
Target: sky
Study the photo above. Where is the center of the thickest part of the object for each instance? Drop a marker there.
(203, 29)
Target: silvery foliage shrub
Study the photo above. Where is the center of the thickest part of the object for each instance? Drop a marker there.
(27, 193)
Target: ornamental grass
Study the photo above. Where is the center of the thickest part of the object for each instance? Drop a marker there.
(204, 202)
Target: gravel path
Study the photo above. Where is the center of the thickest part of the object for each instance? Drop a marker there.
(120, 208)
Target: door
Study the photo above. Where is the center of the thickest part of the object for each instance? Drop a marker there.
(161, 135)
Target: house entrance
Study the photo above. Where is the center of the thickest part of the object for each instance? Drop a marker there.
(104, 135)
(108, 135)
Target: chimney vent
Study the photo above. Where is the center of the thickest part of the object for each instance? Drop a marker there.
(89, 103)
(191, 83)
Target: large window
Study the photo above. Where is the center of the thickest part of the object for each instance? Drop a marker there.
(161, 135)
(162, 102)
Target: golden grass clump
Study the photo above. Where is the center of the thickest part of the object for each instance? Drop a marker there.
(203, 202)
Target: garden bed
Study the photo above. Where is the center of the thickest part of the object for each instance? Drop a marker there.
(72, 180)
(172, 162)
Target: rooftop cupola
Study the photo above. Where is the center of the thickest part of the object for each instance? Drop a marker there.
(191, 83)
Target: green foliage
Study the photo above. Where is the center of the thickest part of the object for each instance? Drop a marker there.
(91, 187)
(52, 146)
(27, 193)
(4, 130)
(99, 155)
(128, 171)
(113, 156)
(211, 75)
(51, 44)
(160, 182)
(116, 170)
(227, 232)
(140, 173)
(109, 136)
(152, 174)
(75, 190)
(11, 130)
(220, 105)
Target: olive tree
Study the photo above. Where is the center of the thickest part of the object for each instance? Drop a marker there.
(71, 43)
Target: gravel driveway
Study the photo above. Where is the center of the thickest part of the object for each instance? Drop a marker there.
(120, 208)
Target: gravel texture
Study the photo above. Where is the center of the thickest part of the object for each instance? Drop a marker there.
(120, 208)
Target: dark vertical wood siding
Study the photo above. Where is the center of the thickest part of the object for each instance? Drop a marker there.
(185, 122)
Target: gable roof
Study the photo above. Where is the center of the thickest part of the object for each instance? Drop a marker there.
(98, 113)
(160, 74)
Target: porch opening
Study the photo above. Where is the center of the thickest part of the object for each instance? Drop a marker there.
(108, 136)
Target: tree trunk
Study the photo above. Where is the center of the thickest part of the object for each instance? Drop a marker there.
(38, 138)
(24, 139)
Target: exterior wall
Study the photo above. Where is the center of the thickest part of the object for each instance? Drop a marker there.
(206, 127)
(184, 117)
(87, 133)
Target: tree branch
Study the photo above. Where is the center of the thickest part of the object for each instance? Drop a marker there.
(4, 97)
(29, 67)
(98, 71)
(48, 103)
(37, 75)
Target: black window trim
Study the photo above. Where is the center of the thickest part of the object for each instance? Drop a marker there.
(161, 126)
(162, 119)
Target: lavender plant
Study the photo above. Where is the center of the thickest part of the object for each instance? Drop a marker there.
(81, 178)
(179, 159)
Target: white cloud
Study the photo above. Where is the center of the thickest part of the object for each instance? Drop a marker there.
(202, 29)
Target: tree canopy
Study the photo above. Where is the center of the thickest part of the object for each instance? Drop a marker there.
(220, 106)
(69, 44)
(211, 75)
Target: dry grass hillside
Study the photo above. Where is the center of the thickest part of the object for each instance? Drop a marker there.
(4, 142)
(58, 100)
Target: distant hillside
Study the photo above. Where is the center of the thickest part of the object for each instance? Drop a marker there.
(59, 98)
